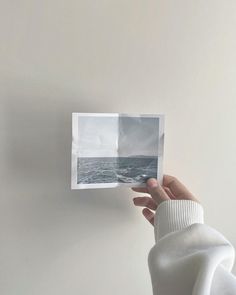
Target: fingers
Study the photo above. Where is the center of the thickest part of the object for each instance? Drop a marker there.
(149, 215)
(148, 203)
(140, 189)
(145, 202)
(156, 191)
(177, 188)
(158, 195)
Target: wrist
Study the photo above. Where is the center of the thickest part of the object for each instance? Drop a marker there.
(174, 215)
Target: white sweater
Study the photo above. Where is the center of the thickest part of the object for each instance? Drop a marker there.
(189, 257)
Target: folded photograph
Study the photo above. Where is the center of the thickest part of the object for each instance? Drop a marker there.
(112, 149)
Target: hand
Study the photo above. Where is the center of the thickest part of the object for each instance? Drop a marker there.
(171, 189)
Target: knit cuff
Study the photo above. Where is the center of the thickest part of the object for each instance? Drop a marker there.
(173, 215)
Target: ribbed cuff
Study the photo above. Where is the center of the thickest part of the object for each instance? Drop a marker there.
(173, 215)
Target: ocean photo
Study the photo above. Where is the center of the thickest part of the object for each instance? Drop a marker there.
(116, 169)
(115, 148)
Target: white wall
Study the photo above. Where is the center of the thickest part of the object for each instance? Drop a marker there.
(172, 57)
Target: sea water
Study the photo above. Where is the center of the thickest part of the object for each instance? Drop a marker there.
(116, 169)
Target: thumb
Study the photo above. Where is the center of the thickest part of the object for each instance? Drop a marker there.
(156, 191)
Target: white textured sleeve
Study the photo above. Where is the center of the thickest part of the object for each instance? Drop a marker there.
(189, 257)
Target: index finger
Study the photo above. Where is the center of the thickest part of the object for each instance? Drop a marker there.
(140, 189)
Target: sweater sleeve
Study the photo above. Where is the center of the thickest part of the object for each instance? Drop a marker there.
(189, 257)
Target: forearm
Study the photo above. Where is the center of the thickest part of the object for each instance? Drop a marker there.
(189, 257)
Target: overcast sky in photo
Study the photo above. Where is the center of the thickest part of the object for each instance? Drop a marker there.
(98, 136)
(138, 136)
(101, 136)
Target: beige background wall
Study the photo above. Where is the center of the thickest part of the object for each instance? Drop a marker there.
(167, 56)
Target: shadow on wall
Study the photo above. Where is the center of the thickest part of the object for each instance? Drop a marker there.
(37, 158)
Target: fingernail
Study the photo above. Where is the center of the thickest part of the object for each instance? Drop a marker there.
(152, 182)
